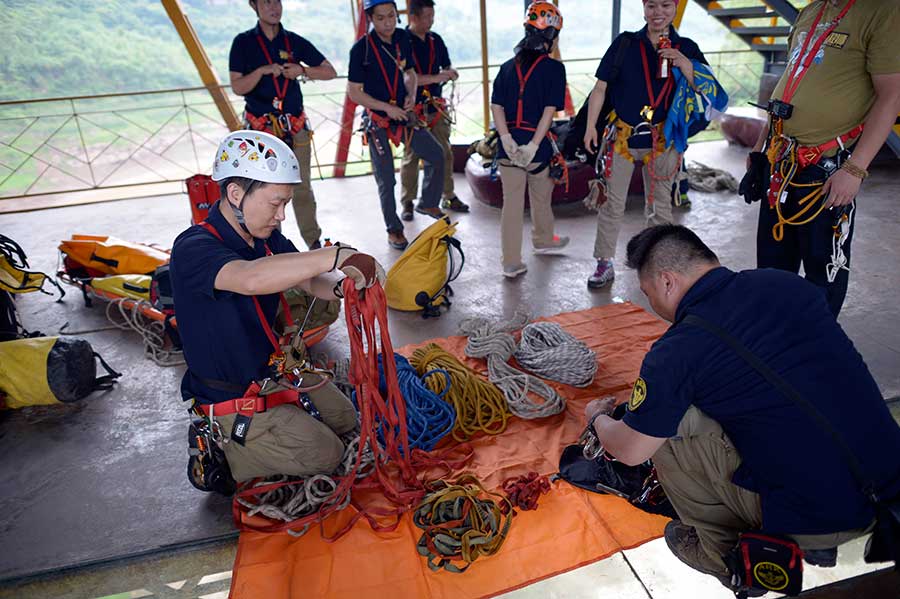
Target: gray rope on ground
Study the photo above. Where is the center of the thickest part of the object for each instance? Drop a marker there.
(709, 179)
(151, 331)
(548, 351)
(492, 341)
(308, 495)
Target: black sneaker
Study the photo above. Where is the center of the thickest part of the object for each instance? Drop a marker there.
(454, 204)
(407, 212)
(823, 558)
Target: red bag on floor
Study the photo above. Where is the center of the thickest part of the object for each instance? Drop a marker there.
(202, 193)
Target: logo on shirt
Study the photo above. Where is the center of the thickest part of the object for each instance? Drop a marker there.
(772, 576)
(837, 40)
(285, 55)
(638, 394)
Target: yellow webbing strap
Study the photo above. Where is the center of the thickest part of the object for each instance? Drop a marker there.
(461, 522)
(479, 405)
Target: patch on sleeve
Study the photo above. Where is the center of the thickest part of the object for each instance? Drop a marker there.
(638, 394)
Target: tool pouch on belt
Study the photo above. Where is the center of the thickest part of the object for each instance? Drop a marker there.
(755, 184)
(767, 563)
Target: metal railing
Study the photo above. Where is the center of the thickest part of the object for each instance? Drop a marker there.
(125, 139)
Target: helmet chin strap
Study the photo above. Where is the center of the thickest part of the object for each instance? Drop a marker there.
(239, 215)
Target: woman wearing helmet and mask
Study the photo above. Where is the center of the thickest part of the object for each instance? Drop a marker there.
(227, 276)
(529, 89)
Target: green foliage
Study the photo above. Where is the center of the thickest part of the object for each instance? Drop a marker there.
(56, 48)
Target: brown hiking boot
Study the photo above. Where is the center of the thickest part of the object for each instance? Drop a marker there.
(432, 212)
(683, 541)
(397, 241)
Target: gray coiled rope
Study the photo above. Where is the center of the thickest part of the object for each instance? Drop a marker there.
(548, 351)
(308, 495)
(493, 342)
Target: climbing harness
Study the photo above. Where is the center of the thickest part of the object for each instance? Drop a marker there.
(786, 156)
(479, 405)
(548, 351)
(524, 491)
(396, 132)
(461, 522)
(494, 342)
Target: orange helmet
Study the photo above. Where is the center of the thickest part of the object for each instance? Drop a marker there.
(543, 15)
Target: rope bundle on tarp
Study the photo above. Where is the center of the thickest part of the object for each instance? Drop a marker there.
(548, 351)
(461, 522)
(289, 498)
(428, 417)
(524, 491)
(494, 342)
(479, 405)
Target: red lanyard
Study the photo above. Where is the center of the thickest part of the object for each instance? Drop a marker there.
(430, 57)
(285, 307)
(666, 88)
(522, 82)
(793, 81)
(387, 80)
(280, 92)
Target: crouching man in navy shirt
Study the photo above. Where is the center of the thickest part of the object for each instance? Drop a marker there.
(228, 274)
(732, 452)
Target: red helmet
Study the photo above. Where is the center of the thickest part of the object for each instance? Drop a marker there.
(543, 15)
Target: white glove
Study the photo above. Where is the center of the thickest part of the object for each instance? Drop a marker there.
(525, 154)
(509, 145)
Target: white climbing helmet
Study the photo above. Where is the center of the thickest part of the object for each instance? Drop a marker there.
(255, 155)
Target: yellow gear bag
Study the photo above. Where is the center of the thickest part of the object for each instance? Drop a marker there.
(42, 371)
(14, 276)
(112, 256)
(420, 279)
(135, 287)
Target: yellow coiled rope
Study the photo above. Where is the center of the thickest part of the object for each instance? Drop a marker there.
(479, 405)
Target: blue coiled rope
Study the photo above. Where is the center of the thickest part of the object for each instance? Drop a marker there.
(428, 417)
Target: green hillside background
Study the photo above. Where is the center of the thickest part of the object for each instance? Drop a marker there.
(79, 47)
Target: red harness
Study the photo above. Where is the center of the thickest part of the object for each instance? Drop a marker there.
(395, 132)
(252, 402)
(280, 91)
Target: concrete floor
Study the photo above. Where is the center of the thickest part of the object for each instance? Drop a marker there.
(104, 479)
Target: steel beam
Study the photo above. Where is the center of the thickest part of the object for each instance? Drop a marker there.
(201, 62)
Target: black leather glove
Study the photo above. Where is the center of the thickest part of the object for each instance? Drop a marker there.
(755, 184)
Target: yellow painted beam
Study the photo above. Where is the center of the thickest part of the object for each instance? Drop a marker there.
(485, 81)
(201, 62)
(679, 13)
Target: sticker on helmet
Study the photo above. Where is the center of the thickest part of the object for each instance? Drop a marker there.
(236, 163)
(224, 156)
(272, 164)
(253, 157)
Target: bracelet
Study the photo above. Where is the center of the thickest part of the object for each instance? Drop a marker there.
(856, 171)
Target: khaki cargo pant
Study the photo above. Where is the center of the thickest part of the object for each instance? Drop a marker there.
(512, 217)
(304, 199)
(409, 168)
(287, 440)
(695, 469)
(657, 197)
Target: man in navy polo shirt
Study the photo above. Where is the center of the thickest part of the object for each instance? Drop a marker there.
(382, 79)
(640, 91)
(732, 453)
(432, 63)
(228, 274)
(264, 64)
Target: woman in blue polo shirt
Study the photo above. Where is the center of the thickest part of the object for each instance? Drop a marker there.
(636, 74)
(529, 89)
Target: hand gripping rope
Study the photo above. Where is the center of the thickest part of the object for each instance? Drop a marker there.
(393, 462)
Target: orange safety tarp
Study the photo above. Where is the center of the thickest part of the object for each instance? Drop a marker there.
(570, 528)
